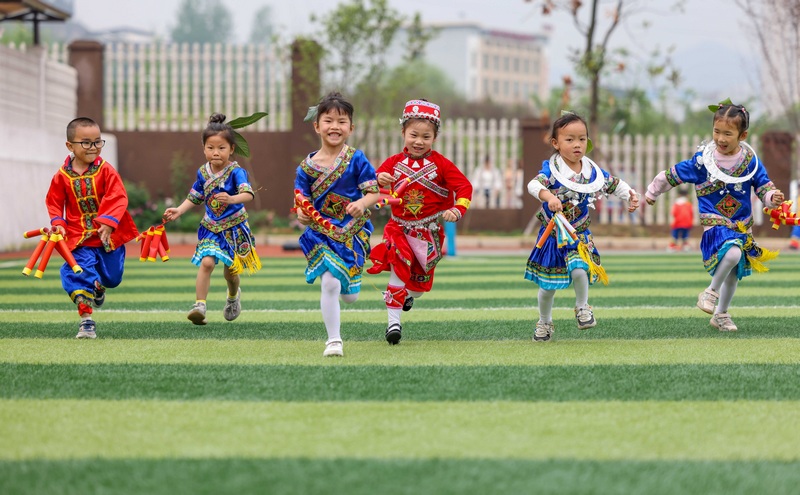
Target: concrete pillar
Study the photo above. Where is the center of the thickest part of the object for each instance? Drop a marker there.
(87, 59)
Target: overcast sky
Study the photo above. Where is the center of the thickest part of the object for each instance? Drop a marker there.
(711, 48)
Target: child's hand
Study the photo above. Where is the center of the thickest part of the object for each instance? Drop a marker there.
(555, 204)
(633, 202)
(104, 231)
(385, 178)
(355, 209)
(778, 198)
(651, 202)
(223, 198)
(449, 216)
(171, 214)
(59, 229)
(303, 218)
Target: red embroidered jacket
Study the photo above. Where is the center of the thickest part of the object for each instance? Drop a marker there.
(436, 185)
(81, 203)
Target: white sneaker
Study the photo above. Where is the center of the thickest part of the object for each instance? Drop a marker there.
(585, 317)
(723, 322)
(198, 314)
(233, 307)
(707, 300)
(333, 348)
(543, 332)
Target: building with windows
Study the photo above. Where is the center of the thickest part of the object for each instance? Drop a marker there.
(490, 64)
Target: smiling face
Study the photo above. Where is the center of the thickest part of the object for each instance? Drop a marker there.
(334, 128)
(218, 151)
(84, 134)
(726, 135)
(571, 141)
(419, 136)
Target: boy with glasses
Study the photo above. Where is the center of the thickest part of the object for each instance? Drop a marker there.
(87, 204)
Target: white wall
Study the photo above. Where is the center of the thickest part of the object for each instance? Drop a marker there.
(37, 100)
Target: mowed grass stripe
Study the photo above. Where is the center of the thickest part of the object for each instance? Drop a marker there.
(289, 383)
(399, 476)
(409, 353)
(717, 430)
(371, 327)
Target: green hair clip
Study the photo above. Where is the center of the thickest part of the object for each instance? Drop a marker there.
(242, 148)
(589, 144)
(714, 108)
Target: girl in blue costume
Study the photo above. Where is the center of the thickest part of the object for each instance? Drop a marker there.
(723, 172)
(341, 184)
(224, 235)
(569, 183)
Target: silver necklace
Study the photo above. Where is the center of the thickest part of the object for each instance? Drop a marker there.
(716, 173)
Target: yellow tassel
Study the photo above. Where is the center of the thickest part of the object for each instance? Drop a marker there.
(741, 227)
(251, 262)
(594, 270)
(757, 263)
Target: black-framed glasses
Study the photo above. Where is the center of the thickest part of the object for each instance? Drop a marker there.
(87, 145)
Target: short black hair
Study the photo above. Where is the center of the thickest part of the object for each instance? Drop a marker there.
(79, 122)
(335, 101)
(217, 126)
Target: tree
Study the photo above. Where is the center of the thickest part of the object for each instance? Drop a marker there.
(17, 33)
(202, 21)
(776, 27)
(596, 59)
(357, 36)
(262, 30)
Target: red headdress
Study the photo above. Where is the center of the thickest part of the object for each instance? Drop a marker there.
(421, 109)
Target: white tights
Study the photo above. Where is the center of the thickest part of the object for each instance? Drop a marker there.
(580, 280)
(725, 280)
(329, 304)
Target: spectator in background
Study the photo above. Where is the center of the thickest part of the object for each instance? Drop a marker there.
(488, 182)
(682, 220)
(512, 178)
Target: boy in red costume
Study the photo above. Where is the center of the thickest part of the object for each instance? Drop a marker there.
(682, 220)
(87, 204)
(430, 187)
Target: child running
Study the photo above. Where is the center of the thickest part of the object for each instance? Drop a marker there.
(724, 171)
(87, 203)
(430, 187)
(340, 184)
(224, 234)
(568, 184)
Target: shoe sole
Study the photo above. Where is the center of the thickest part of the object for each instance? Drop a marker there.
(333, 354)
(408, 304)
(705, 310)
(197, 318)
(588, 325)
(82, 335)
(713, 324)
(393, 337)
(541, 339)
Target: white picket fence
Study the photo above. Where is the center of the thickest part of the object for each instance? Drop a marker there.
(177, 86)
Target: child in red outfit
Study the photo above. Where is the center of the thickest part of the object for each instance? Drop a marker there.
(682, 220)
(432, 187)
(87, 203)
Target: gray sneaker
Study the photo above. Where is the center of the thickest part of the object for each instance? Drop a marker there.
(198, 314)
(86, 330)
(233, 307)
(707, 300)
(585, 317)
(723, 322)
(543, 332)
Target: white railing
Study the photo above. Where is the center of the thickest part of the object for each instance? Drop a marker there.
(37, 100)
(177, 86)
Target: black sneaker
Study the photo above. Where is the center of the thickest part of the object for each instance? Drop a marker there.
(99, 294)
(393, 334)
(86, 329)
(408, 303)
